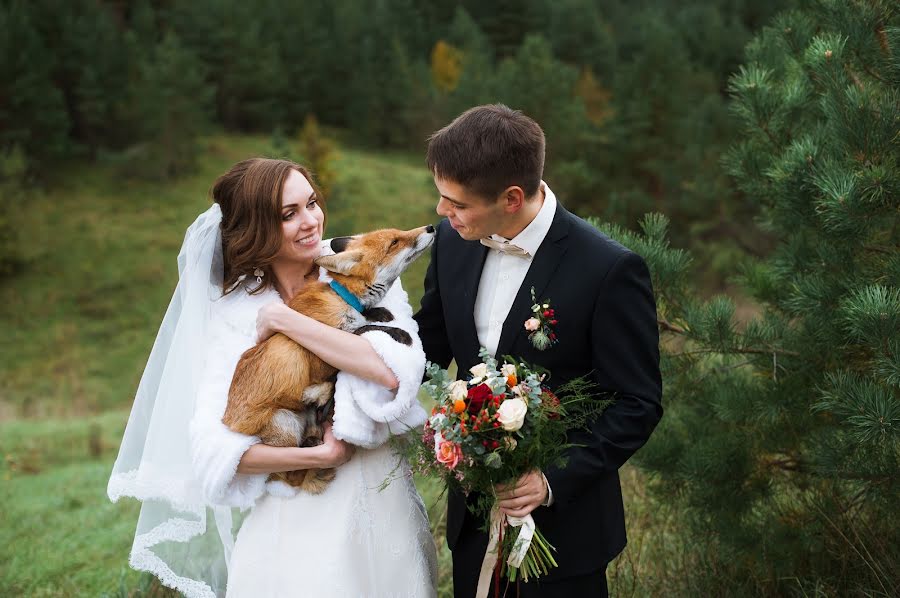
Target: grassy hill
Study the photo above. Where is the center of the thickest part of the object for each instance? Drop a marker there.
(79, 322)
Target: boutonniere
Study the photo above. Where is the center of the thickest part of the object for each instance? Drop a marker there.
(540, 324)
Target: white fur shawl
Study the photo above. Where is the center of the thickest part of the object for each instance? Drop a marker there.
(366, 414)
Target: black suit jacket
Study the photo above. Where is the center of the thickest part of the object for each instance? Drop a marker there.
(603, 300)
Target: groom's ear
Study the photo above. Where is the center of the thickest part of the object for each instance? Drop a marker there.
(340, 263)
(339, 244)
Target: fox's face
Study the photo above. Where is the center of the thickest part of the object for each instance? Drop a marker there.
(368, 264)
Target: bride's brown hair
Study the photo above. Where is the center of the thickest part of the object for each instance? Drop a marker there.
(250, 196)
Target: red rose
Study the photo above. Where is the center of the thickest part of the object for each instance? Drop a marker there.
(478, 396)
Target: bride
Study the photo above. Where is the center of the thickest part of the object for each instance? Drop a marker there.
(210, 525)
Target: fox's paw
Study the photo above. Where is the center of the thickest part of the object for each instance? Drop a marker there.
(378, 314)
(317, 480)
(318, 395)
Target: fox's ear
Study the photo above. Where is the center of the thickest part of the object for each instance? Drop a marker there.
(340, 263)
(339, 244)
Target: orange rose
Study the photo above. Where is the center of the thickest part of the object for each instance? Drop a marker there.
(448, 454)
(459, 406)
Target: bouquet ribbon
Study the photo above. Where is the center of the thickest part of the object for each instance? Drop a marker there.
(516, 555)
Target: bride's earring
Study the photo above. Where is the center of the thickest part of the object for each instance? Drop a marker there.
(258, 273)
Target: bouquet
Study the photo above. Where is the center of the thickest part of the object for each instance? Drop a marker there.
(492, 429)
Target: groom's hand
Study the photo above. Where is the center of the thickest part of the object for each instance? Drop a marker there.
(528, 493)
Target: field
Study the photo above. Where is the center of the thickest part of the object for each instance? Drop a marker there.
(79, 321)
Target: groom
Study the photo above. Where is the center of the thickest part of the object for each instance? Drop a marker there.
(503, 234)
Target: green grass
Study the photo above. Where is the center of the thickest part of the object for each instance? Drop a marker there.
(61, 535)
(79, 322)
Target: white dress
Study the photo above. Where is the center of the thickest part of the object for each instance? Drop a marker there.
(367, 534)
(352, 540)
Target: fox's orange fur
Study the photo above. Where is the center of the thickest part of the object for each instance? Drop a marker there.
(278, 385)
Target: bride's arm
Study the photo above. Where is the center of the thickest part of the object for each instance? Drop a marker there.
(232, 468)
(345, 351)
(262, 458)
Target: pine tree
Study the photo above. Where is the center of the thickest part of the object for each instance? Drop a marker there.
(239, 57)
(781, 438)
(95, 54)
(33, 117)
(580, 36)
(476, 82)
(390, 88)
(543, 87)
(172, 104)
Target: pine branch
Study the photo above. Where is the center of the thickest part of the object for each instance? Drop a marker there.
(666, 325)
(743, 352)
(785, 464)
(722, 369)
(880, 249)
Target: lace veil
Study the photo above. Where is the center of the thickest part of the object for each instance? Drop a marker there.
(182, 540)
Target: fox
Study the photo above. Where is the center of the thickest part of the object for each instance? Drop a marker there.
(282, 391)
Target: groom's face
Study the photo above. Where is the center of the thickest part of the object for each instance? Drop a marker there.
(472, 216)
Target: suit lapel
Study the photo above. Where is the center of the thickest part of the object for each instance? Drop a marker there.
(539, 274)
(471, 259)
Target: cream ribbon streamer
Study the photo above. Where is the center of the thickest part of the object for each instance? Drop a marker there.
(516, 556)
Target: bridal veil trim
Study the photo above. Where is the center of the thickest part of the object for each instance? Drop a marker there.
(180, 538)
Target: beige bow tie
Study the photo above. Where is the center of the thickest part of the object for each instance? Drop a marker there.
(505, 247)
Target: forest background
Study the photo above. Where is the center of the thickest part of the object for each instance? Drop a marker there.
(115, 118)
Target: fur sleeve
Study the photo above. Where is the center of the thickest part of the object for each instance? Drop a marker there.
(215, 449)
(366, 413)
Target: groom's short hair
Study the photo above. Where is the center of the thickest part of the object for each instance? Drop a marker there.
(487, 149)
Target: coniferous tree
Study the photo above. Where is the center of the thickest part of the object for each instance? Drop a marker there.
(239, 57)
(580, 36)
(389, 88)
(782, 434)
(95, 58)
(543, 87)
(476, 81)
(173, 104)
(33, 117)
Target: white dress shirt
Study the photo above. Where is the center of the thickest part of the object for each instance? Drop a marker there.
(501, 278)
(503, 274)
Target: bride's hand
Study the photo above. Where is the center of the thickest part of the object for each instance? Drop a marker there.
(336, 452)
(268, 320)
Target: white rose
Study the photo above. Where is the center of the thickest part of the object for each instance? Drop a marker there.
(437, 420)
(532, 324)
(511, 414)
(508, 370)
(480, 372)
(438, 439)
(458, 390)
